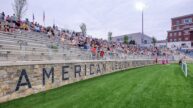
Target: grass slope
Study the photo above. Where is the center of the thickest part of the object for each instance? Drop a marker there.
(159, 86)
(190, 70)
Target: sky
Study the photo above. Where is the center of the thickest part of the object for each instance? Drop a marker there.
(102, 16)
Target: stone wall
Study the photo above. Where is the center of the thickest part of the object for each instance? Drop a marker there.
(20, 80)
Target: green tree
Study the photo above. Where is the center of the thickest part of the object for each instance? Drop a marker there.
(110, 36)
(154, 41)
(125, 39)
(83, 29)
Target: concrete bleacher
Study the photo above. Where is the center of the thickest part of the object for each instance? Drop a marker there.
(32, 46)
(186, 52)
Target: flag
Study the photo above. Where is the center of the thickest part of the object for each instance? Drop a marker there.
(33, 17)
(44, 16)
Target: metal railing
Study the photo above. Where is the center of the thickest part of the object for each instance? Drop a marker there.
(184, 68)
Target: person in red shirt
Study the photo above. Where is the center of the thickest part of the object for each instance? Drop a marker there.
(93, 51)
(102, 53)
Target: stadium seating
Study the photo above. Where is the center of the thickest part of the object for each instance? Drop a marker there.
(25, 46)
(28, 45)
(186, 52)
(33, 46)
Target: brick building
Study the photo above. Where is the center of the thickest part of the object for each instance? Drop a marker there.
(181, 29)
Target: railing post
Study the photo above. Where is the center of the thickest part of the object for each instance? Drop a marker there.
(186, 70)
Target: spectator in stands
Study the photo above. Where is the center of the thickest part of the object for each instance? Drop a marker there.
(86, 46)
(37, 28)
(1, 25)
(2, 16)
(8, 19)
(6, 27)
(62, 39)
(42, 29)
(94, 51)
(24, 26)
(73, 42)
(31, 27)
(49, 34)
(180, 61)
(99, 49)
(102, 53)
(14, 19)
(17, 24)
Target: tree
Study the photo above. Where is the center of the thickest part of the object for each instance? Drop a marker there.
(83, 29)
(154, 41)
(125, 39)
(110, 36)
(19, 8)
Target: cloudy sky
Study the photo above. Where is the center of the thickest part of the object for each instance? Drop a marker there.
(102, 16)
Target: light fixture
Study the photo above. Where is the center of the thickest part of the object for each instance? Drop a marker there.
(140, 6)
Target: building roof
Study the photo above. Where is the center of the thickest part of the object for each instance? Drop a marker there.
(133, 34)
(183, 16)
(161, 41)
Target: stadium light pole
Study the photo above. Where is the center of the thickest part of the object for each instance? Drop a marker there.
(141, 6)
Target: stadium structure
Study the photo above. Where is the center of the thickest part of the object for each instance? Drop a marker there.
(48, 67)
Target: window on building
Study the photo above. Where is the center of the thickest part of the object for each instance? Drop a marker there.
(186, 32)
(170, 34)
(179, 39)
(174, 34)
(177, 22)
(186, 38)
(171, 40)
(179, 33)
(175, 40)
(145, 41)
(187, 20)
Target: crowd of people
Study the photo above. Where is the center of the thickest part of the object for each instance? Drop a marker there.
(11, 23)
(98, 48)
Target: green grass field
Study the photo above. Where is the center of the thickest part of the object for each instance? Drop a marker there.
(159, 86)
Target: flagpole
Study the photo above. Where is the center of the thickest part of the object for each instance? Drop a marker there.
(44, 18)
(33, 17)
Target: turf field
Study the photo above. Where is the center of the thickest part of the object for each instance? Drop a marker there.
(159, 86)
